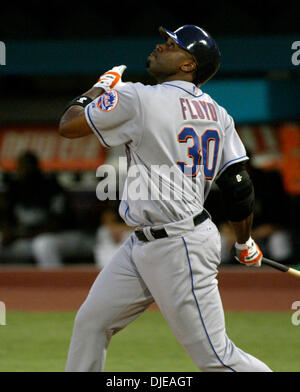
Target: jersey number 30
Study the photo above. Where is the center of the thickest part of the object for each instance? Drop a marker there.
(210, 141)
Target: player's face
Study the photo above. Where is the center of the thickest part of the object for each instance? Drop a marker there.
(169, 61)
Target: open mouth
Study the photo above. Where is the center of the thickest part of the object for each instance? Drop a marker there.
(150, 57)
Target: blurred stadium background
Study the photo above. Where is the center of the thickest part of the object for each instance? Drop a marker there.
(55, 53)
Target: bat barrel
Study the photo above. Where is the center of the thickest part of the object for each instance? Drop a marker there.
(294, 272)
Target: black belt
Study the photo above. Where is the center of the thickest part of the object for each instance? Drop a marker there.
(161, 233)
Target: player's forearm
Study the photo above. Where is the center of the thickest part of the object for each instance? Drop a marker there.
(71, 124)
(242, 229)
(68, 123)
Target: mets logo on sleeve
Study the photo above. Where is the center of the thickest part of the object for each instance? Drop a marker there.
(108, 101)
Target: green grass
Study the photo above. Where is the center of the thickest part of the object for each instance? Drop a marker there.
(39, 342)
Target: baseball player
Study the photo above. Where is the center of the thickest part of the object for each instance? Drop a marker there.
(173, 254)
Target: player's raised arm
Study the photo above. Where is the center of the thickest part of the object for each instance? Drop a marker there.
(73, 123)
(238, 193)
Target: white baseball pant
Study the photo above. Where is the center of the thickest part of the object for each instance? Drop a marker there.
(179, 273)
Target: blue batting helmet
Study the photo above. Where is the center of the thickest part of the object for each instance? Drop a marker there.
(201, 45)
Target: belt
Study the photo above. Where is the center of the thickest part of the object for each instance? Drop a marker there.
(161, 233)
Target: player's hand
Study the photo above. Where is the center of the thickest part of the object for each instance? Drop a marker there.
(112, 78)
(248, 253)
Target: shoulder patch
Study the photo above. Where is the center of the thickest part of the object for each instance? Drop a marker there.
(108, 101)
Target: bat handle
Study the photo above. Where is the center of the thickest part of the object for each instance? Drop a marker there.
(281, 267)
(274, 264)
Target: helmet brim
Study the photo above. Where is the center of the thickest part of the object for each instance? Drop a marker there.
(165, 33)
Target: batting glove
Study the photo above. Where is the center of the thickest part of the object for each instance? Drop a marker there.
(248, 253)
(111, 79)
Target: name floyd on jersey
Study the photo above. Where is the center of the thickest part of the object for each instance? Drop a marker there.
(195, 109)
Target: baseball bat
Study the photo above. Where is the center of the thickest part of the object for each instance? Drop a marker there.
(281, 267)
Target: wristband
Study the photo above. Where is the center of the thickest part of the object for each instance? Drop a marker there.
(244, 246)
(82, 101)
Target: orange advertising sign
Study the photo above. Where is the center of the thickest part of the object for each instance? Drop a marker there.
(290, 144)
(54, 151)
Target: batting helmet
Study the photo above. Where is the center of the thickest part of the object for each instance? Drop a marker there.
(201, 45)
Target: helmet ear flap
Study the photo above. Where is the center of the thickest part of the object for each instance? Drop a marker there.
(204, 74)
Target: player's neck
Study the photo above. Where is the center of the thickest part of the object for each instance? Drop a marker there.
(170, 78)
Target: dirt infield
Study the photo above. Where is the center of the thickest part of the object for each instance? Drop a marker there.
(245, 289)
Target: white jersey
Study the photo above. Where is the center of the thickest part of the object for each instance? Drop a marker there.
(178, 141)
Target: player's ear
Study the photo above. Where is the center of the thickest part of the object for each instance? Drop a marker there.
(189, 66)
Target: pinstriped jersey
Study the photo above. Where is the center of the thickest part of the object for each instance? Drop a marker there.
(178, 141)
